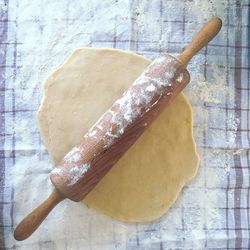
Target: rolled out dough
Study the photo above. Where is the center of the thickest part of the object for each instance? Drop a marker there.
(148, 178)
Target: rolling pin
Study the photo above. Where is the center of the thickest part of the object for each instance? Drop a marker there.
(118, 128)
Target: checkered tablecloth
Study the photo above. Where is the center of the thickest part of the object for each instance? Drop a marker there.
(36, 36)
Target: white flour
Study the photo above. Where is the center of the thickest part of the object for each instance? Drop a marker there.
(73, 156)
(40, 52)
(77, 172)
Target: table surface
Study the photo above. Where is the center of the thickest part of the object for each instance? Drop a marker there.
(213, 211)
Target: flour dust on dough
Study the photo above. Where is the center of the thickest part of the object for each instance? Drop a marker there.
(148, 178)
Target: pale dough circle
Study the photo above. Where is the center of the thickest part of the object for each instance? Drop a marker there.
(148, 178)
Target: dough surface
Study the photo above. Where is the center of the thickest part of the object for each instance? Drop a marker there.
(148, 178)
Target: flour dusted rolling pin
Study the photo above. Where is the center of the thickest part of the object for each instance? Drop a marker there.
(118, 128)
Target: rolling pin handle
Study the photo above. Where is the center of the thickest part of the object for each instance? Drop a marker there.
(32, 221)
(201, 39)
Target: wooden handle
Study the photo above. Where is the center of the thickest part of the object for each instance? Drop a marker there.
(32, 221)
(201, 39)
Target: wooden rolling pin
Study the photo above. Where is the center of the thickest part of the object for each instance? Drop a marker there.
(118, 128)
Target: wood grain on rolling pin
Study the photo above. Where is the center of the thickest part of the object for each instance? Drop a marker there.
(119, 127)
